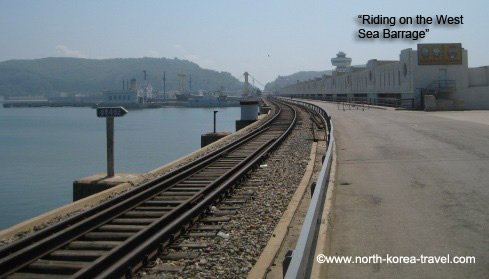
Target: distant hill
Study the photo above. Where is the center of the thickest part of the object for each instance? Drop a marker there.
(282, 81)
(51, 76)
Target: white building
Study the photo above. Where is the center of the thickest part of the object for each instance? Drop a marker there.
(436, 76)
(120, 97)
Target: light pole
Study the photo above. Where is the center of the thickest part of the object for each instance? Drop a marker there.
(215, 112)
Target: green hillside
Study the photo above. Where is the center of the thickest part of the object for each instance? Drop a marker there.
(282, 81)
(51, 76)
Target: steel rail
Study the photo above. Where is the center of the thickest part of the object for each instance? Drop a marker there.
(23, 257)
(122, 259)
(51, 239)
(46, 242)
(50, 230)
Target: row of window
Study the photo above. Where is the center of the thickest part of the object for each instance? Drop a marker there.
(120, 98)
(386, 79)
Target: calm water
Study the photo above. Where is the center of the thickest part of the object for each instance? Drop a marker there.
(42, 150)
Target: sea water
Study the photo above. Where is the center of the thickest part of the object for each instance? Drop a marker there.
(43, 150)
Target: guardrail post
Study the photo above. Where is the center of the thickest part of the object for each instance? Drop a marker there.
(313, 187)
(286, 262)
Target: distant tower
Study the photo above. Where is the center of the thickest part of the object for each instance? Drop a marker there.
(246, 85)
(341, 62)
(144, 71)
(182, 82)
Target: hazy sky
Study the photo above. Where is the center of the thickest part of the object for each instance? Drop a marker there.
(266, 38)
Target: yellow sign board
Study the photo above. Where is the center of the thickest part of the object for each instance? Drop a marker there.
(439, 54)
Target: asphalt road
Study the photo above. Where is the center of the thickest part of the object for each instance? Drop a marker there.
(410, 184)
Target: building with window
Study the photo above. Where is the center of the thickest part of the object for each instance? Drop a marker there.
(435, 76)
(120, 97)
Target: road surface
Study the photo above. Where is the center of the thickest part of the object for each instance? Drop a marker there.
(409, 184)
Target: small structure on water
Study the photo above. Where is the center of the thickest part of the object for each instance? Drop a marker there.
(249, 113)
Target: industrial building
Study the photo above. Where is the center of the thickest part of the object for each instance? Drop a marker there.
(120, 96)
(433, 77)
(128, 94)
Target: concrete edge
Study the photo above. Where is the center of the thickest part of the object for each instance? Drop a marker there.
(30, 225)
(323, 244)
(267, 257)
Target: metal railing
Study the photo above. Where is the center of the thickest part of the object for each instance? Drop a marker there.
(407, 103)
(303, 256)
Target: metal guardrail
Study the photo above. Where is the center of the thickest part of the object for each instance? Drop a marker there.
(407, 103)
(303, 255)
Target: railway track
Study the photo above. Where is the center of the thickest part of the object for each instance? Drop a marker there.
(121, 235)
(229, 239)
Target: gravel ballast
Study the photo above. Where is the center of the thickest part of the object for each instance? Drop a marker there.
(237, 246)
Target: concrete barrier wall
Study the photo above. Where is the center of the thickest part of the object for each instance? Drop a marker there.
(476, 98)
(479, 76)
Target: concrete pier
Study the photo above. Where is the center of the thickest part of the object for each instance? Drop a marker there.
(208, 138)
(265, 109)
(249, 113)
(90, 185)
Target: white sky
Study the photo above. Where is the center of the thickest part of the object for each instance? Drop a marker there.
(266, 38)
